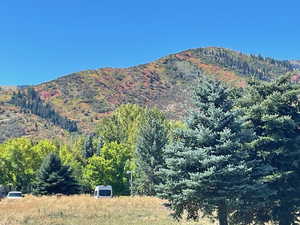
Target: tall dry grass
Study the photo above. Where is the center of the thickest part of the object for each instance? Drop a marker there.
(85, 210)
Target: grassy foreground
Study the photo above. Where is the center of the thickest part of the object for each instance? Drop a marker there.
(85, 210)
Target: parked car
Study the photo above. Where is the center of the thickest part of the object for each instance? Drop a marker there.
(14, 195)
(103, 191)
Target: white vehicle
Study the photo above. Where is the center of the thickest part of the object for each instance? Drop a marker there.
(103, 191)
(14, 195)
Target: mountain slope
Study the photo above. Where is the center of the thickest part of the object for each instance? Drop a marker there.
(14, 122)
(165, 83)
(295, 64)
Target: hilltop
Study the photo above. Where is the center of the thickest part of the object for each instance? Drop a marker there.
(87, 96)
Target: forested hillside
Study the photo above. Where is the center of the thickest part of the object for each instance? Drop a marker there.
(16, 121)
(79, 100)
(30, 102)
(89, 95)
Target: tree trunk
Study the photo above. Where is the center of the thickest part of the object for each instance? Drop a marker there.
(286, 216)
(223, 213)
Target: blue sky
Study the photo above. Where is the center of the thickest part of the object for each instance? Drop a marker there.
(42, 40)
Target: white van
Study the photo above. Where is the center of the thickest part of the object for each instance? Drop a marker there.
(14, 195)
(103, 191)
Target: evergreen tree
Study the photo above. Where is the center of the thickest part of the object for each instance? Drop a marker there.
(205, 168)
(150, 143)
(30, 101)
(53, 178)
(88, 148)
(272, 110)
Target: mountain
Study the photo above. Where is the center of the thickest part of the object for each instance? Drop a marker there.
(87, 96)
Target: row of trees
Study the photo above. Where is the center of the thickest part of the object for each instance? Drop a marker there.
(103, 157)
(263, 68)
(21, 159)
(30, 101)
(238, 155)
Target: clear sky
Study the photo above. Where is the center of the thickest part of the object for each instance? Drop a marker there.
(41, 40)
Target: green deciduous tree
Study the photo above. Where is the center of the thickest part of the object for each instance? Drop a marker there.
(53, 178)
(110, 167)
(122, 126)
(205, 168)
(20, 158)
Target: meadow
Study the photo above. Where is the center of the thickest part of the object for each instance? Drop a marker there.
(85, 210)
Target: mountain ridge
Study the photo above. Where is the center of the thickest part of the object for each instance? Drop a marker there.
(89, 95)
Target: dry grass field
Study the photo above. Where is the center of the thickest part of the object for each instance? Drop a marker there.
(85, 210)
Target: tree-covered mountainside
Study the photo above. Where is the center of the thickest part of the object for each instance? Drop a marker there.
(16, 122)
(87, 96)
(30, 102)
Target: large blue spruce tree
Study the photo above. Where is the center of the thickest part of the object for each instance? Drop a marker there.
(272, 111)
(205, 169)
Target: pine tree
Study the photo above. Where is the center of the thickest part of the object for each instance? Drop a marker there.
(151, 141)
(205, 169)
(88, 148)
(53, 178)
(30, 101)
(272, 110)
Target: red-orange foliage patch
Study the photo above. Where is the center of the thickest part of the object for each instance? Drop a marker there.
(47, 95)
(295, 78)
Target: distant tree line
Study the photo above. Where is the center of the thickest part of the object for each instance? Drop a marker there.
(263, 68)
(84, 161)
(29, 100)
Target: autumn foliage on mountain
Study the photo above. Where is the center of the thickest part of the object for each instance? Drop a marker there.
(81, 99)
